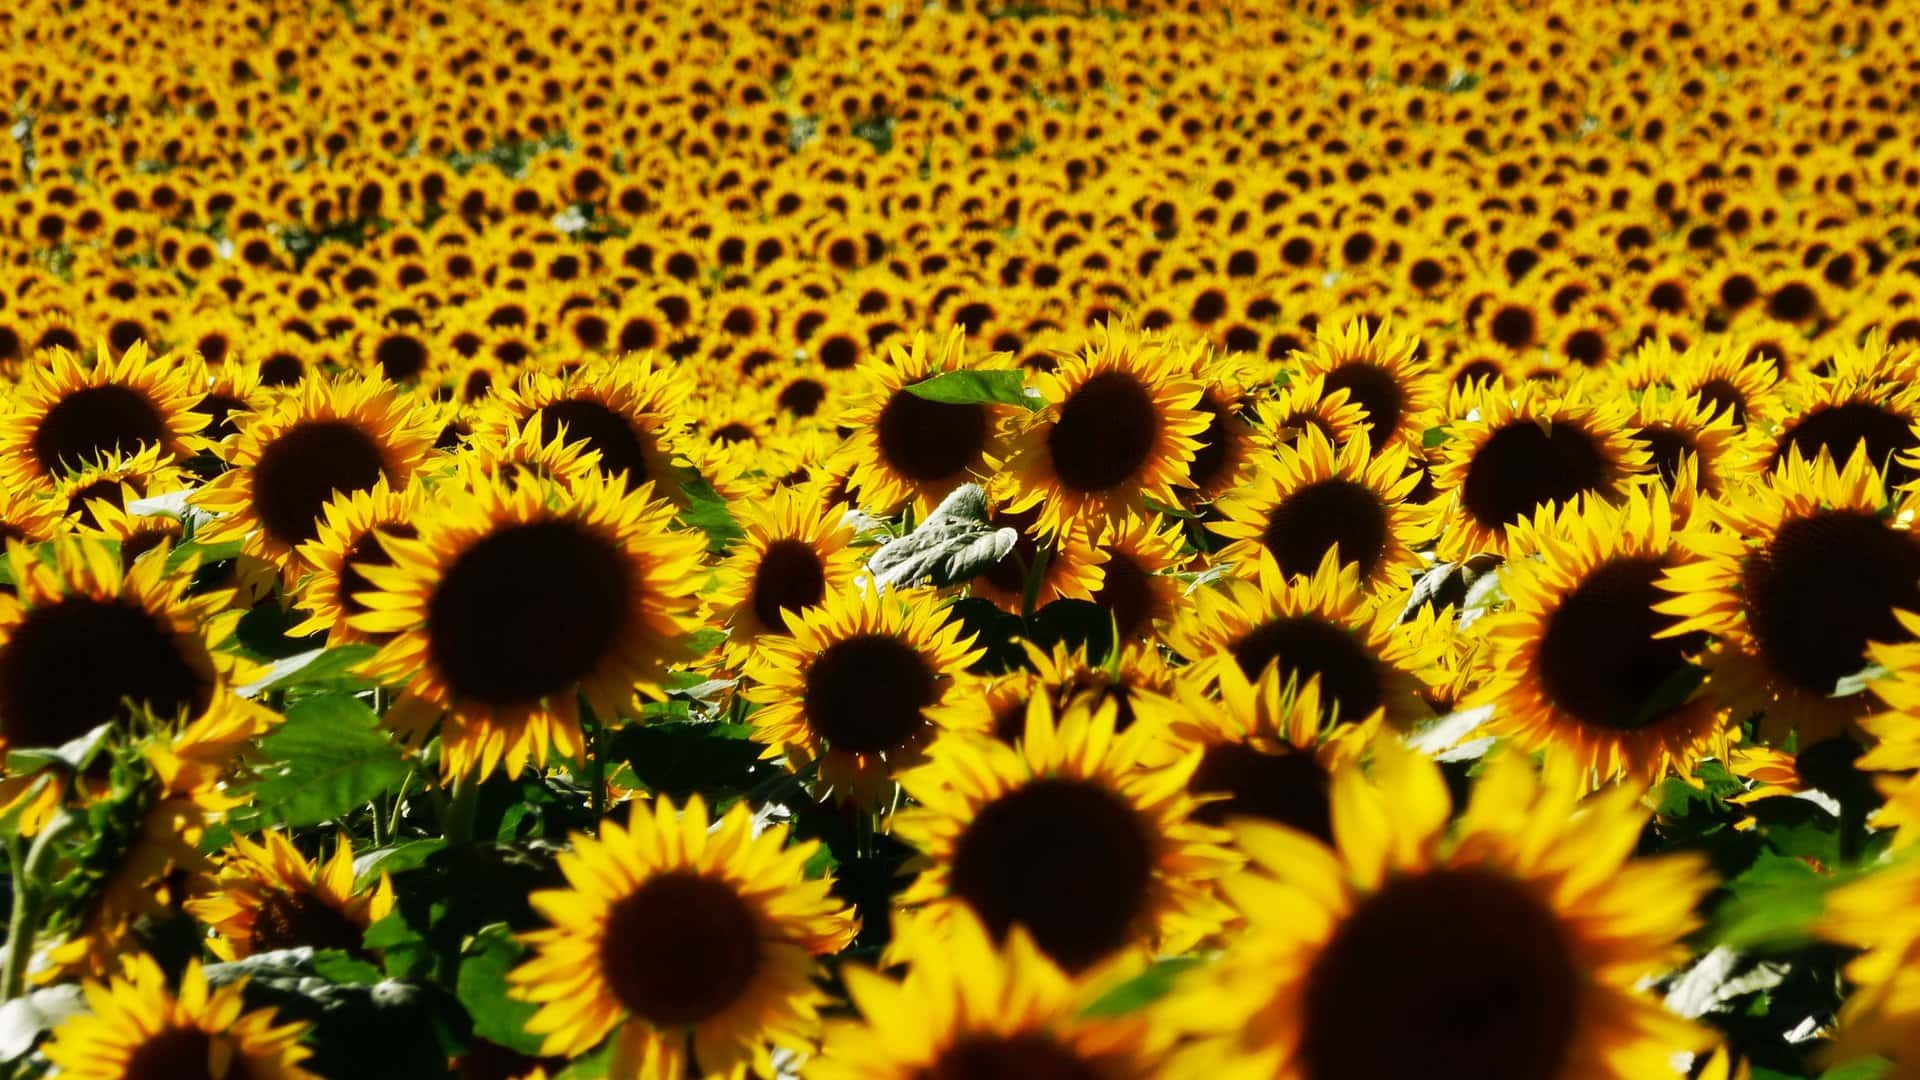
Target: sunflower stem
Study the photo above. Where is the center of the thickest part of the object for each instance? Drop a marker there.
(399, 804)
(24, 922)
(458, 821)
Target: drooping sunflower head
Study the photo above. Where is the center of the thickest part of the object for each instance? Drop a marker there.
(632, 413)
(1872, 408)
(1120, 425)
(349, 538)
(91, 492)
(516, 602)
(793, 556)
(1310, 499)
(974, 1008)
(1305, 402)
(1519, 453)
(1382, 372)
(692, 943)
(1690, 443)
(1796, 577)
(1321, 627)
(1266, 750)
(1731, 381)
(268, 896)
(68, 415)
(1068, 833)
(518, 449)
(1138, 555)
(908, 450)
(856, 687)
(1580, 661)
(321, 440)
(135, 1028)
(1530, 918)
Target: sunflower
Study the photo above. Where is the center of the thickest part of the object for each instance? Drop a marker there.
(1515, 454)
(268, 896)
(290, 459)
(517, 602)
(519, 449)
(1323, 627)
(135, 1029)
(114, 479)
(1138, 555)
(77, 604)
(1304, 402)
(66, 415)
(976, 1009)
(1066, 564)
(1311, 498)
(1874, 409)
(1874, 915)
(1579, 659)
(1265, 749)
(906, 450)
(1690, 444)
(1796, 577)
(632, 413)
(1382, 372)
(350, 532)
(693, 944)
(793, 555)
(1068, 832)
(1226, 444)
(1512, 946)
(28, 516)
(856, 687)
(1120, 425)
(1729, 380)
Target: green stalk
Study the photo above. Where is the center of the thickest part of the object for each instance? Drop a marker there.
(28, 876)
(458, 820)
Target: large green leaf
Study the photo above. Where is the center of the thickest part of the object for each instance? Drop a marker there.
(976, 388)
(329, 757)
(482, 989)
(1772, 905)
(707, 511)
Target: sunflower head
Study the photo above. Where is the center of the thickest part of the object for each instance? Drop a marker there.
(349, 538)
(856, 688)
(1120, 425)
(67, 414)
(518, 602)
(692, 942)
(268, 896)
(632, 413)
(1068, 833)
(1382, 372)
(135, 1028)
(1530, 915)
(793, 556)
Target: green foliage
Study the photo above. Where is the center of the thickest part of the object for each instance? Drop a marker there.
(977, 388)
(329, 756)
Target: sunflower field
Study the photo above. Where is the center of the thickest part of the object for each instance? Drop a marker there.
(959, 539)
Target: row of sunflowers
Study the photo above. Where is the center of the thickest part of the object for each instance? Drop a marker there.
(917, 540)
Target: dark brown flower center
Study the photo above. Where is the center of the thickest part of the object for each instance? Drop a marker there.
(1309, 521)
(1378, 394)
(306, 466)
(1825, 586)
(1105, 433)
(1026, 1056)
(1668, 447)
(866, 694)
(528, 612)
(90, 423)
(401, 357)
(1599, 660)
(70, 666)
(1472, 972)
(790, 577)
(621, 449)
(1126, 591)
(1842, 429)
(1306, 646)
(1068, 859)
(680, 949)
(289, 920)
(1216, 444)
(1521, 468)
(180, 1054)
(1288, 787)
(927, 441)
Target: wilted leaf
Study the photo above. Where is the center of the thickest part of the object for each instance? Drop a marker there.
(329, 757)
(25, 1019)
(1718, 979)
(74, 755)
(976, 388)
(956, 543)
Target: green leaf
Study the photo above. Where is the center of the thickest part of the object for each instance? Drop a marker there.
(1863, 1069)
(337, 966)
(707, 511)
(330, 756)
(1434, 436)
(207, 554)
(1772, 905)
(482, 988)
(333, 667)
(977, 388)
(395, 859)
(956, 543)
(1143, 989)
(680, 758)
